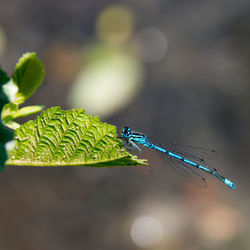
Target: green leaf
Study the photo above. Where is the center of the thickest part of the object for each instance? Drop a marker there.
(10, 111)
(69, 138)
(6, 135)
(29, 110)
(28, 75)
(12, 125)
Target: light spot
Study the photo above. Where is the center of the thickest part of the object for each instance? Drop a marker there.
(115, 24)
(150, 44)
(146, 231)
(220, 223)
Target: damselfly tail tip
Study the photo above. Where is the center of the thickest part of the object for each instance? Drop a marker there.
(230, 184)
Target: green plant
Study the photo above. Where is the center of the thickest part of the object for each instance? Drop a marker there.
(56, 137)
(6, 136)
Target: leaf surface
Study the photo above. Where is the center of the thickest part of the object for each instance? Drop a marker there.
(69, 138)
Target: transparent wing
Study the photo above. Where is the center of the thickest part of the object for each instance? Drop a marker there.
(187, 171)
(200, 155)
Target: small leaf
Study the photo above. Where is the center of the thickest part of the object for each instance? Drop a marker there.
(29, 110)
(12, 125)
(69, 138)
(8, 112)
(28, 75)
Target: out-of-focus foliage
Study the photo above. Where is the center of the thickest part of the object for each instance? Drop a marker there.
(6, 135)
(115, 24)
(111, 78)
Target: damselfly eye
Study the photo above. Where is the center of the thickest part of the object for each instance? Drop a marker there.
(126, 131)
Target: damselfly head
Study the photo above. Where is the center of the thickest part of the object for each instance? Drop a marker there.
(126, 132)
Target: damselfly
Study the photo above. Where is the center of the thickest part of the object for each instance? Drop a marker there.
(185, 162)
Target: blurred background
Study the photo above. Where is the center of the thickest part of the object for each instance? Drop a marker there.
(171, 69)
